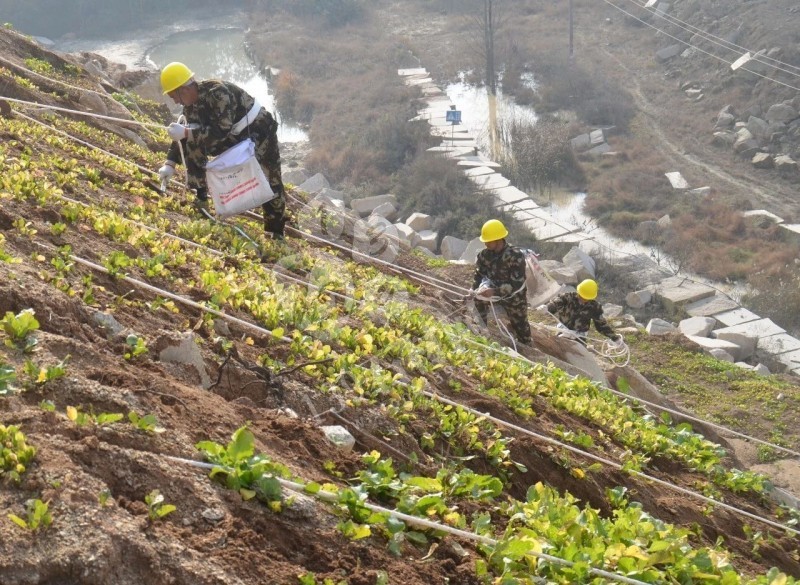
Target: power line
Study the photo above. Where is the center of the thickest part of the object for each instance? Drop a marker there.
(711, 38)
(688, 44)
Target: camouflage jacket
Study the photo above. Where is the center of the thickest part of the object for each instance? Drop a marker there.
(219, 106)
(578, 316)
(504, 269)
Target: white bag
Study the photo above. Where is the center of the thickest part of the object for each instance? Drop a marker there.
(541, 286)
(236, 182)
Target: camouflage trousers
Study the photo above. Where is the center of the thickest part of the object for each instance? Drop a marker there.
(517, 311)
(263, 132)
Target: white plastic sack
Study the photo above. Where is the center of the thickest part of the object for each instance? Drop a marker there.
(541, 287)
(236, 182)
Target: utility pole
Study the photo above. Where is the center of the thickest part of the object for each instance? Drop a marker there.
(571, 52)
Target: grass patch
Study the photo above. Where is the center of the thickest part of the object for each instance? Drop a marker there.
(762, 406)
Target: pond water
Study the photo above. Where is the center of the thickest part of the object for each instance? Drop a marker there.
(219, 53)
(565, 207)
(216, 52)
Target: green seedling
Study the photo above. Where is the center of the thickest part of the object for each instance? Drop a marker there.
(78, 417)
(7, 377)
(5, 256)
(147, 423)
(39, 66)
(58, 228)
(19, 329)
(116, 263)
(41, 375)
(108, 418)
(137, 346)
(38, 516)
(156, 508)
(103, 498)
(24, 227)
(15, 453)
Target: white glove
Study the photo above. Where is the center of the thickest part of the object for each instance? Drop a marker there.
(541, 308)
(177, 131)
(166, 172)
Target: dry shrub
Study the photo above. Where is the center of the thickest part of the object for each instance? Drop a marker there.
(536, 156)
(597, 100)
(290, 98)
(776, 296)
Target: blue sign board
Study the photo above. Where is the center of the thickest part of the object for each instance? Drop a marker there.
(453, 116)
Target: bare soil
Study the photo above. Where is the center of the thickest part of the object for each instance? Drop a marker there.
(215, 537)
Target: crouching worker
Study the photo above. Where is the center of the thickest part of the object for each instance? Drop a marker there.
(577, 310)
(219, 115)
(500, 277)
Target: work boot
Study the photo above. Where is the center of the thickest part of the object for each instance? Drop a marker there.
(200, 206)
(275, 226)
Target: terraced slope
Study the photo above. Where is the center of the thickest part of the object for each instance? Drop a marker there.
(530, 475)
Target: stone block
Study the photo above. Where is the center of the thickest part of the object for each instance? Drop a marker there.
(315, 184)
(745, 343)
(638, 299)
(367, 205)
(339, 436)
(296, 176)
(385, 210)
(407, 237)
(427, 239)
(452, 248)
(736, 317)
(721, 354)
(419, 222)
(697, 326)
(581, 261)
(660, 327)
(470, 254)
(710, 306)
(757, 329)
(677, 291)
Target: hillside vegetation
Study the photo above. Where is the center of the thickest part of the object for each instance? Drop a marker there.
(141, 343)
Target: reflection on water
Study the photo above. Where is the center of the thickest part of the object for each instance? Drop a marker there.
(220, 54)
(473, 102)
(567, 207)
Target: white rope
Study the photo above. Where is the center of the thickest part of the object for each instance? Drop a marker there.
(619, 354)
(330, 497)
(58, 81)
(403, 270)
(80, 113)
(259, 329)
(609, 463)
(87, 144)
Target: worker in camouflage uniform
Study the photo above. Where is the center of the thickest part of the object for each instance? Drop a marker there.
(577, 310)
(219, 115)
(500, 275)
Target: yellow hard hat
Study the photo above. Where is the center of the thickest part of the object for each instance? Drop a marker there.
(587, 289)
(174, 75)
(493, 230)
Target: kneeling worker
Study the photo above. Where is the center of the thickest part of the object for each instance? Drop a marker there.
(500, 275)
(219, 115)
(577, 310)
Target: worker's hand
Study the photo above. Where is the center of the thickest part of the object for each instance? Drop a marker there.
(486, 293)
(542, 308)
(166, 172)
(177, 131)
